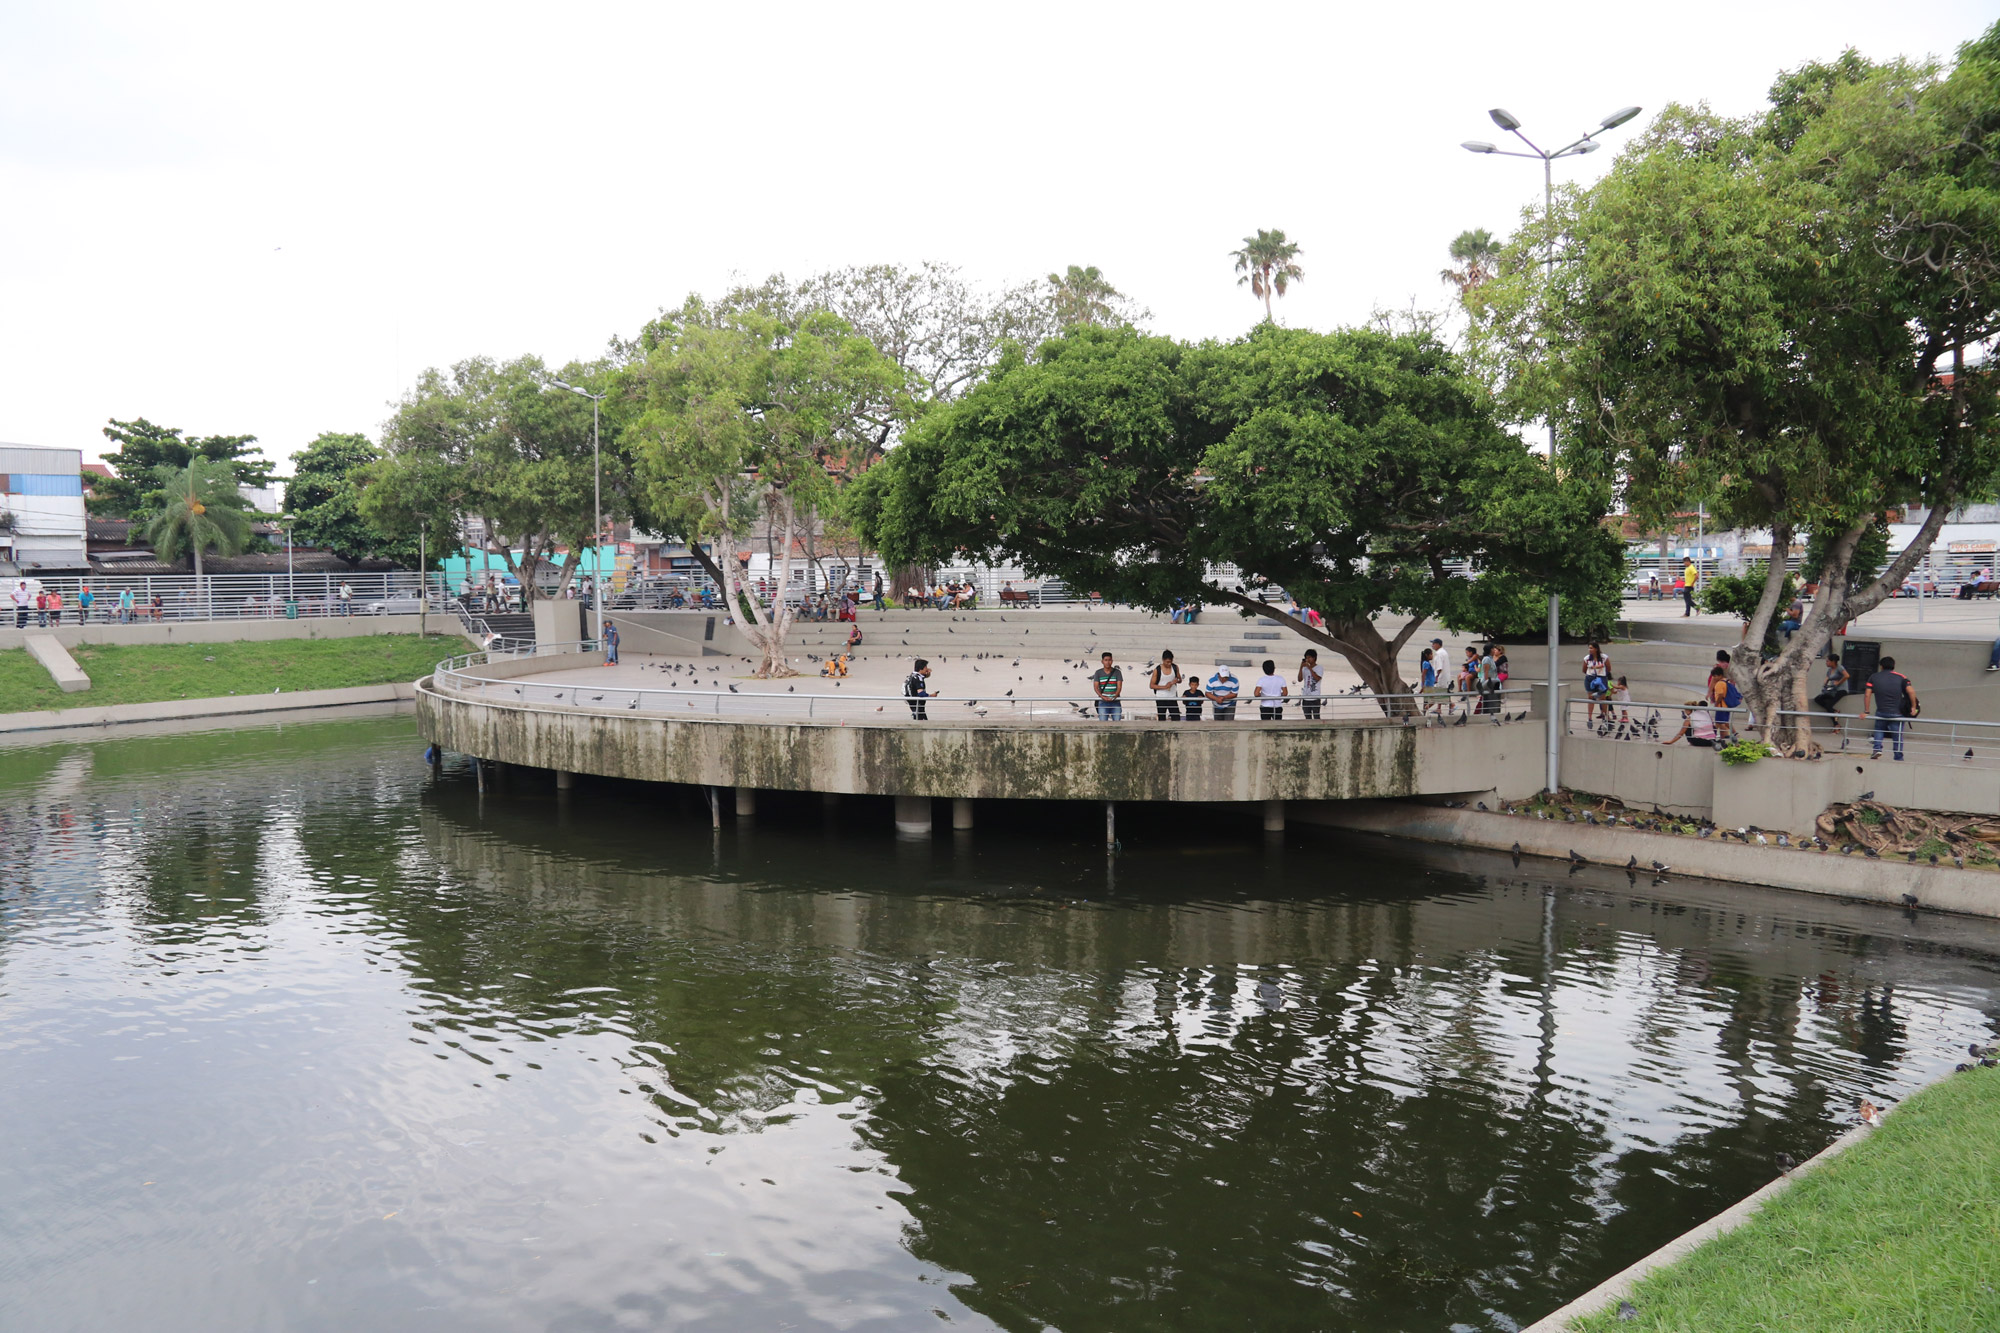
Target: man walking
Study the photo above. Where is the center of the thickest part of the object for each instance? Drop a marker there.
(916, 687)
(1690, 575)
(1108, 683)
(1222, 692)
(1891, 697)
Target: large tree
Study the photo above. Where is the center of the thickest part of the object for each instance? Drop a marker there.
(1789, 317)
(144, 448)
(1362, 472)
(1268, 265)
(739, 420)
(493, 441)
(201, 510)
(323, 498)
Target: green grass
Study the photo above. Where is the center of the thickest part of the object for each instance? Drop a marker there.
(1899, 1234)
(138, 674)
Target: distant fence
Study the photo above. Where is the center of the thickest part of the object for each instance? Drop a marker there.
(179, 597)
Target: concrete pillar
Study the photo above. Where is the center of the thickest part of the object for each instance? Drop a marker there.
(479, 773)
(565, 780)
(913, 816)
(1274, 816)
(961, 813)
(1110, 825)
(746, 802)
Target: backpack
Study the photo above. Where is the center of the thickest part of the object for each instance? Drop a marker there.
(1733, 697)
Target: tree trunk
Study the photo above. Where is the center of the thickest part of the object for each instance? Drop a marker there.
(769, 632)
(1357, 641)
(1777, 691)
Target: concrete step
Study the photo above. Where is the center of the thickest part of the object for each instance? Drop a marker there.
(55, 659)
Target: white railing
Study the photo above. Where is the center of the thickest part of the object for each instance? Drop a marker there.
(701, 696)
(181, 597)
(1923, 739)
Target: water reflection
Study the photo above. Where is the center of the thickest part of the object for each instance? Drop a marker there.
(290, 1036)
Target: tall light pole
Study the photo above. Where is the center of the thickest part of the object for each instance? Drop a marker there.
(596, 510)
(1587, 144)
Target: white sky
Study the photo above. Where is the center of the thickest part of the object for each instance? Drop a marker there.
(267, 218)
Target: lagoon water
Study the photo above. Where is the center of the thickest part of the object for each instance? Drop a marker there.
(294, 1037)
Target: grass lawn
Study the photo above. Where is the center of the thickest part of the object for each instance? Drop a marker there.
(1898, 1234)
(138, 674)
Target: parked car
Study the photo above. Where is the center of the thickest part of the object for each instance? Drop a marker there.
(395, 604)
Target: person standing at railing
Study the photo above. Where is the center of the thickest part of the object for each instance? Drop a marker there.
(1222, 691)
(125, 606)
(346, 598)
(1891, 697)
(1269, 692)
(1596, 686)
(1427, 678)
(84, 598)
(610, 644)
(1621, 700)
(1309, 677)
(916, 687)
(1165, 682)
(1108, 684)
(22, 600)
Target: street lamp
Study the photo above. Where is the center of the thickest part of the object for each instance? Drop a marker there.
(1509, 122)
(596, 509)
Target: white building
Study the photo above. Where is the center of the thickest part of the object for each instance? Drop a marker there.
(41, 510)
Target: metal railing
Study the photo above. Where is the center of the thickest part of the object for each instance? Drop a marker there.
(1922, 739)
(700, 695)
(183, 597)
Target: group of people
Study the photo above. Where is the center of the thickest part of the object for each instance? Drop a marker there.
(1179, 697)
(46, 606)
(1888, 699)
(1477, 685)
(489, 593)
(940, 596)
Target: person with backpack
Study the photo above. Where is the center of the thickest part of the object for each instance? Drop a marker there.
(916, 688)
(1892, 698)
(1165, 680)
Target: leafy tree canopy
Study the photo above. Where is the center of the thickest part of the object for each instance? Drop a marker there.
(740, 421)
(494, 442)
(1790, 317)
(1361, 471)
(144, 448)
(324, 500)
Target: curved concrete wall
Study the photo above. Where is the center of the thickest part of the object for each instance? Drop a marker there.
(1242, 761)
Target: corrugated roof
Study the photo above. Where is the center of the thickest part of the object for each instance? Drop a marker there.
(27, 458)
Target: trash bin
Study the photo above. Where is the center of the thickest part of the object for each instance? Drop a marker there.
(291, 608)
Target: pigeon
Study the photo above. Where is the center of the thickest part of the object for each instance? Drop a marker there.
(1576, 860)
(597, 698)
(1462, 720)
(1786, 1163)
(1589, 818)
(1871, 853)
(1911, 857)
(1516, 850)
(1703, 832)
(1847, 849)
(1010, 694)
(1968, 754)
(1661, 867)
(1482, 806)
(791, 689)
(1866, 796)
(1632, 864)
(1933, 858)
(734, 690)
(1958, 861)
(1783, 841)
(633, 704)
(1870, 1113)
(1909, 900)
(1627, 1310)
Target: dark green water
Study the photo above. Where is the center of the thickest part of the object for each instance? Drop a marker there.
(292, 1038)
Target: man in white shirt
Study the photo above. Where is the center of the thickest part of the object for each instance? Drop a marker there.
(1269, 692)
(23, 599)
(1165, 680)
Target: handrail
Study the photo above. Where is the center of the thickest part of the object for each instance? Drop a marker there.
(1932, 739)
(453, 676)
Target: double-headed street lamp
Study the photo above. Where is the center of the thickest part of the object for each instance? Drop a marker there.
(1507, 121)
(596, 509)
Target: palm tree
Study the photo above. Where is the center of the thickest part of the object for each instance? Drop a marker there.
(202, 510)
(1475, 252)
(1268, 263)
(1082, 296)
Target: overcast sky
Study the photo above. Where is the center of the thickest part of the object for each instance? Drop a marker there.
(266, 219)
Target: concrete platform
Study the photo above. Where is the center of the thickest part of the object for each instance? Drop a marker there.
(55, 659)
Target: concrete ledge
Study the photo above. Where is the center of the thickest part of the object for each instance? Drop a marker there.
(74, 719)
(69, 677)
(1619, 1285)
(230, 631)
(1972, 892)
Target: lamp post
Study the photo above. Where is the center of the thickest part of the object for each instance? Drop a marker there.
(596, 510)
(1587, 144)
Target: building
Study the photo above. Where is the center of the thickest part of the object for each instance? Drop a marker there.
(41, 511)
